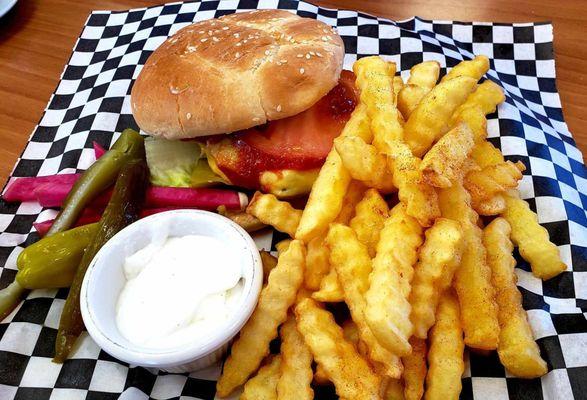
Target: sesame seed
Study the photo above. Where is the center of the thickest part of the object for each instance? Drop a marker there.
(324, 38)
(215, 39)
(188, 116)
(236, 35)
(312, 53)
(283, 61)
(319, 54)
(203, 40)
(308, 56)
(210, 33)
(191, 49)
(278, 108)
(302, 71)
(202, 32)
(225, 28)
(300, 56)
(238, 44)
(267, 52)
(237, 54)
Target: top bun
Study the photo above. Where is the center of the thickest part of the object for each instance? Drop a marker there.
(235, 72)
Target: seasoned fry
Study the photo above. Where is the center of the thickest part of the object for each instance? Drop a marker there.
(487, 96)
(441, 165)
(425, 74)
(282, 246)
(473, 277)
(440, 256)
(415, 370)
(420, 198)
(474, 68)
(430, 120)
(317, 265)
(263, 386)
(352, 263)
(364, 163)
(492, 180)
(445, 356)
(269, 262)
(271, 211)
(370, 214)
(388, 309)
(276, 297)
(532, 239)
(329, 189)
(350, 373)
(475, 120)
(493, 206)
(353, 195)
(296, 366)
(330, 289)
(422, 79)
(517, 350)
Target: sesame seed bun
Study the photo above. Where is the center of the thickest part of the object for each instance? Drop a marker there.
(235, 72)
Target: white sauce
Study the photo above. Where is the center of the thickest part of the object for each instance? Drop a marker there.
(178, 290)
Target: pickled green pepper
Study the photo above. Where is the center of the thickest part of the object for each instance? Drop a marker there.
(123, 209)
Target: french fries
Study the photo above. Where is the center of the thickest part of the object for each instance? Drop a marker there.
(370, 215)
(271, 211)
(440, 256)
(277, 296)
(296, 365)
(388, 309)
(441, 165)
(263, 386)
(430, 120)
(415, 369)
(353, 265)
(445, 357)
(532, 239)
(474, 68)
(420, 281)
(364, 163)
(329, 189)
(473, 277)
(350, 373)
(517, 350)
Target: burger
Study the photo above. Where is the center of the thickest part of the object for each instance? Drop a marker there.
(251, 99)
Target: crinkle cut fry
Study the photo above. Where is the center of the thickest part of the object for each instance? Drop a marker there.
(532, 239)
(517, 350)
(415, 370)
(388, 309)
(271, 211)
(350, 373)
(353, 265)
(474, 68)
(264, 384)
(277, 296)
(473, 277)
(370, 215)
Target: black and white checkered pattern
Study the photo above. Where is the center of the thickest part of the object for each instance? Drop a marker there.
(92, 103)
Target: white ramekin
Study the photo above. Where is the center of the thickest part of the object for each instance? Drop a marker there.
(105, 279)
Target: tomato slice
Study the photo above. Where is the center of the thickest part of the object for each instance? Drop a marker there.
(308, 135)
(300, 142)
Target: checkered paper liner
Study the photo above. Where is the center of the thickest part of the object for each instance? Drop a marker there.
(92, 103)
